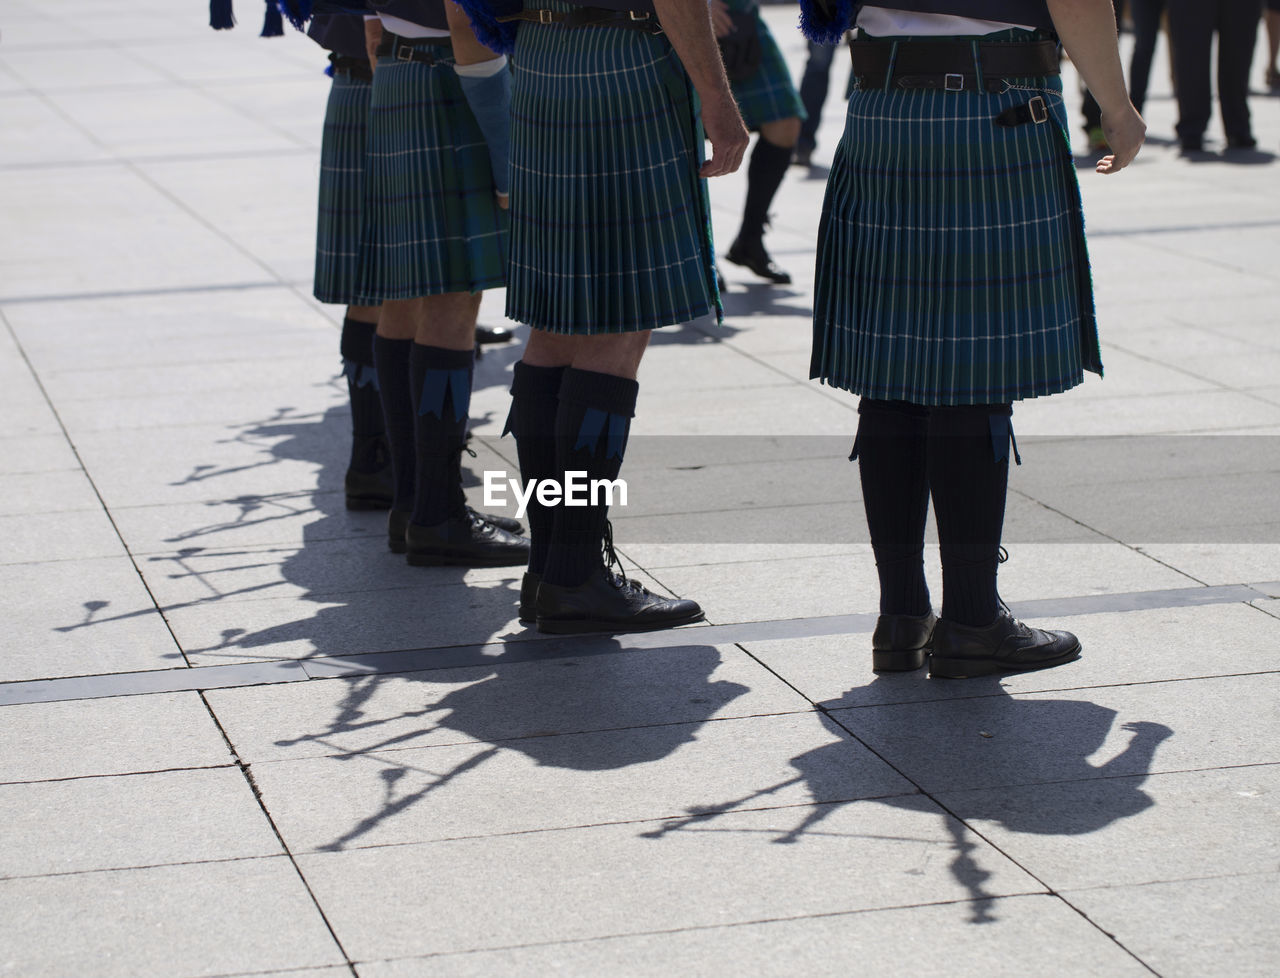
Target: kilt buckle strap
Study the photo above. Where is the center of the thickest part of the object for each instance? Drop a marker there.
(639, 20)
(1035, 112)
(953, 82)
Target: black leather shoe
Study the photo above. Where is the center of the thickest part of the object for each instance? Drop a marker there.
(751, 254)
(397, 525)
(609, 602)
(963, 651)
(464, 541)
(901, 643)
(501, 522)
(486, 335)
(529, 597)
(368, 480)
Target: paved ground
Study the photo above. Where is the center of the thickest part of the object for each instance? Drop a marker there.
(238, 737)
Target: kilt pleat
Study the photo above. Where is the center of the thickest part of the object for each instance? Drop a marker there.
(952, 265)
(338, 217)
(769, 94)
(611, 226)
(431, 221)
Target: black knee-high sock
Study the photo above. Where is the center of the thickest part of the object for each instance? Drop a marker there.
(391, 358)
(891, 450)
(769, 164)
(535, 399)
(362, 379)
(968, 479)
(592, 423)
(441, 386)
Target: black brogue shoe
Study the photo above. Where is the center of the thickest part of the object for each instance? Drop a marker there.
(1006, 645)
(901, 643)
(464, 541)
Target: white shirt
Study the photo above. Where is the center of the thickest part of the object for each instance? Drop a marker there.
(407, 28)
(888, 22)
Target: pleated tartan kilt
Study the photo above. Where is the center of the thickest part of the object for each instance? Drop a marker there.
(952, 267)
(611, 225)
(769, 94)
(431, 221)
(338, 224)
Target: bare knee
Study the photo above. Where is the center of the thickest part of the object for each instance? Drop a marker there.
(781, 132)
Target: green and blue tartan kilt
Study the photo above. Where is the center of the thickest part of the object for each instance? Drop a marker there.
(769, 94)
(952, 266)
(611, 225)
(338, 222)
(431, 221)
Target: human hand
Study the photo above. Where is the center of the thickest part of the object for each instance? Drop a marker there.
(1125, 132)
(728, 136)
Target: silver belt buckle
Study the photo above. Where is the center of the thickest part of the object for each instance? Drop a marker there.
(544, 16)
(404, 52)
(953, 83)
(1039, 111)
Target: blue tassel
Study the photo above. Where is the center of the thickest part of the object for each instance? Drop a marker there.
(359, 374)
(594, 422)
(825, 21)
(1002, 438)
(272, 25)
(296, 12)
(484, 15)
(434, 386)
(617, 435)
(591, 429)
(328, 70)
(221, 17)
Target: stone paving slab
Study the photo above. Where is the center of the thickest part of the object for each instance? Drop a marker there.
(89, 824)
(109, 230)
(57, 925)
(1189, 928)
(668, 770)
(48, 741)
(57, 491)
(1079, 735)
(1012, 937)
(678, 684)
(835, 670)
(400, 901)
(79, 617)
(1085, 835)
(27, 454)
(79, 535)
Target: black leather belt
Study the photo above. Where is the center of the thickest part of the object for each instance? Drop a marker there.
(357, 68)
(954, 66)
(424, 50)
(636, 20)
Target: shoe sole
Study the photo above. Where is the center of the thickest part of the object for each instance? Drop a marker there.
(584, 625)
(898, 660)
(943, 668)
(418, 558)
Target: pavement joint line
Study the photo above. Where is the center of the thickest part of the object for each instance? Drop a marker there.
(696, 928)
(536, 648)
(283, 284)
(125, 774)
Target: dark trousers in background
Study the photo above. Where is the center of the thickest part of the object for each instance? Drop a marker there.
(1192, 24)
(1146, 28)
(814, 84)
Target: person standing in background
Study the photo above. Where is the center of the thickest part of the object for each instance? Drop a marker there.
(771, 107)
(1192, 27)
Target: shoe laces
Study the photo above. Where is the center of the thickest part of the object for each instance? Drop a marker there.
(619, 578)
